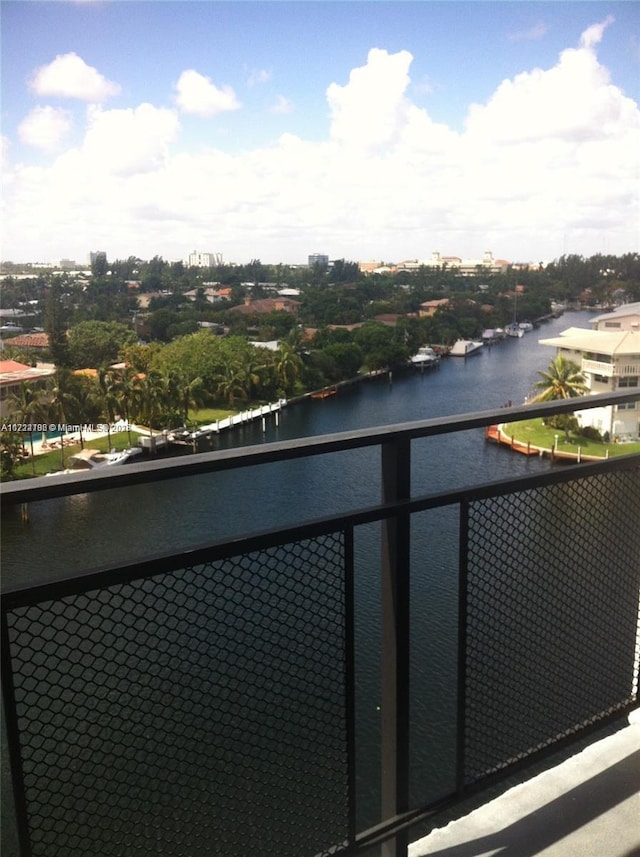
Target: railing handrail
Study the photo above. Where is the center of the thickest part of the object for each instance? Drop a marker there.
(394, 510)
(62, 485)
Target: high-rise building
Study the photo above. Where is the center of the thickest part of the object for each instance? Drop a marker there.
(318, 259)
(203, 260)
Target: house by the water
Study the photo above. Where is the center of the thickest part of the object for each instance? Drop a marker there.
(609, 358)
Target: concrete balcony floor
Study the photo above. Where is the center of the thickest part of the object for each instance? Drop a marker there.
(588, 806)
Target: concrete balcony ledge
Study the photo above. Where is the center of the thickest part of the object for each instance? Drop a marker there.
(588, 806)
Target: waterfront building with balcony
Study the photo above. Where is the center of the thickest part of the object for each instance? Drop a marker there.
(13, 374)
(609, 357)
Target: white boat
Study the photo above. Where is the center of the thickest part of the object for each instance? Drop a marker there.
(180, 435)
(514, 330)
(526, 326)
(425, 356)
(465, 347)
(93, 459)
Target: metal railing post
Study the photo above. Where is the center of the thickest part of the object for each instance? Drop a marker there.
(463, 553)
(395, 567)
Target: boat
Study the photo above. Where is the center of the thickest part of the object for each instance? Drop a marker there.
(93, 459)
(425, 356)
(182, 436)
(324, 394)
(514, 330)
(465, 347)
(492, 335)
(526, 326)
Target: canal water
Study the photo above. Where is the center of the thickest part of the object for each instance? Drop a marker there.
(74, 534)
(92, 531)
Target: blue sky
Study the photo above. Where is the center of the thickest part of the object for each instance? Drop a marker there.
(369, 130)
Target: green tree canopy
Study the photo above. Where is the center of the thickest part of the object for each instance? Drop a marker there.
(98, 343)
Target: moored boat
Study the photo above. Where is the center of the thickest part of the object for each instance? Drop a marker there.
(93, 459)
(425, 356)
(514, 330)
(465, 347)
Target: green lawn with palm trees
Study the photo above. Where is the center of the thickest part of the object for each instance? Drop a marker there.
(538, 434)
(563, 380)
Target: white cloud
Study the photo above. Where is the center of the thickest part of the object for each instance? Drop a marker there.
(45, 128)
(552, 152)
(69, 76)
(369, 110)
(126, 142)
(258, 77)
(531, 34)
(574, 101)
(282, 105)
(199, 95)
(592, 36)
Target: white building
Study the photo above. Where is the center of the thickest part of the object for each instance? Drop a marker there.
(203, 260)
(468, 267)
(13, 375)
(609, 358)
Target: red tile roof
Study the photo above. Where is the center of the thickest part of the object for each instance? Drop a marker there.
(30, 340)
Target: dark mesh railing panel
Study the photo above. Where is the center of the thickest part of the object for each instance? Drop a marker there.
(553, 583)
(200, 712)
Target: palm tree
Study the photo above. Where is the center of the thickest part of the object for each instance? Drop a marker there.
(27, 406)
(109, 396)
(288, 364)
(231, 383)
(61, 400)
(190, 393)
(126, 391)
(562, 380)
(86, 404)
(152, 392)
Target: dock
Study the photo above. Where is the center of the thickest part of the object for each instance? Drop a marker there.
(162, 441)
(242, 418)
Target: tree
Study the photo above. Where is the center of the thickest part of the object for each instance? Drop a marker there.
(96, 343)
(151, 397)
(10, 454)
(230, 384)
(84, 403)
(288, 364)
(55, 326)
(190, 394)
(348, 359)
(99, 264)
(126, 391)
(61, 401)
(108, 392)
(380, 346)
(562, 380)
(27, 406)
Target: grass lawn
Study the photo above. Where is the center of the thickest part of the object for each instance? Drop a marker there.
(204, 416)
(536, 433)
(50, 462)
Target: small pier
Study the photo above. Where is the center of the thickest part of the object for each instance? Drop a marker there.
(241, 419)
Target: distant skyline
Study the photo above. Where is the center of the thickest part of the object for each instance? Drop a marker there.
(363, 130)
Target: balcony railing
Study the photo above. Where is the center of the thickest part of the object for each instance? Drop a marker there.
(205, 702)
(596, 367)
